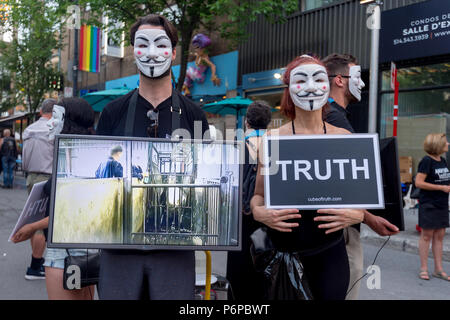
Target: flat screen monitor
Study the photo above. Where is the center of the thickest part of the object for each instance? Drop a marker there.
(142, 193)
(393, 211)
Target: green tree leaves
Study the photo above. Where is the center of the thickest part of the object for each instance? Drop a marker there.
(27, 58)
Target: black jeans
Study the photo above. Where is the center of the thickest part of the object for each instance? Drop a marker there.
(156, 275)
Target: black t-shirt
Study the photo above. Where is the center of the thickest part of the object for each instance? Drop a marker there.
(437, 173)
(113, 118)
(307, 238)
(338, 117)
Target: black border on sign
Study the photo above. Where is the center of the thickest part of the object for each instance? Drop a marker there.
(379, 178)
(146, 247)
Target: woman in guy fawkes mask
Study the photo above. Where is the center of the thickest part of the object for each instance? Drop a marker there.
(69, 116)
(316, 235)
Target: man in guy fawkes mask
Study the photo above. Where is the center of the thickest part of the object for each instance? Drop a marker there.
(153, 110)
(346, 85)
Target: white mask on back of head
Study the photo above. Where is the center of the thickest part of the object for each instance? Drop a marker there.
(56, 122)
(152, 51)
(309, 86)
(355, 84)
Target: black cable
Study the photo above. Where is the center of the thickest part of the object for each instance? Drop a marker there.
(374, 260)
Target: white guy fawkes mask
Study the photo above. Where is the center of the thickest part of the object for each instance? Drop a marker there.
(152, 51)
(355, 83)
(56, 122)
(309, 86)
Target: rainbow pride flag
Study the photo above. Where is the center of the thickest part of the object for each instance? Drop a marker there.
(89, 59)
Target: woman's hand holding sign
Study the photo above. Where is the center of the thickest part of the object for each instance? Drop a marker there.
(339, 218)
(276, 219)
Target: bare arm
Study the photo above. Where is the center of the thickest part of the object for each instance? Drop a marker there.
(27, 231)
(214, 77)
(420, 183)
(379, 224)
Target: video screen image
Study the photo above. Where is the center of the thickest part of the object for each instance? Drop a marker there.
(120, 193)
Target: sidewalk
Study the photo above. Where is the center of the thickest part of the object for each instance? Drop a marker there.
(407, 240)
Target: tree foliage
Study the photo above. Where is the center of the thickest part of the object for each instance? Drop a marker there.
(27, 58)
(228, 17)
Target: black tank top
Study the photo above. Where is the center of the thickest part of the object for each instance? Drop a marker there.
(307, 238)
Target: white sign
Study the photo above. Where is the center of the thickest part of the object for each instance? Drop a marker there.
(110, 46)
(34, 209)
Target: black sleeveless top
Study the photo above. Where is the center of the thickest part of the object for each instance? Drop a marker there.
(307, 238)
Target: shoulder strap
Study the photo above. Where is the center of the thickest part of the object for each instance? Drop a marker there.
(129, 124)
(175, 108)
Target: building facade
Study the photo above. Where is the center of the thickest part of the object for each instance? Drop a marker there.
(328, 26)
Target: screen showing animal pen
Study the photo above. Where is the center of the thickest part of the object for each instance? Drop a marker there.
(145, 194)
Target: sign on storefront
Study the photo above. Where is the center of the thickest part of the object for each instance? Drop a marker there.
(415, 31)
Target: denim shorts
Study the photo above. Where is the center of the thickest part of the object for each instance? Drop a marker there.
(54, 258)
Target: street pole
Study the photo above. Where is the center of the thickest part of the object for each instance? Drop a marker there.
(374, 24)
(74, 23)
(75, 64)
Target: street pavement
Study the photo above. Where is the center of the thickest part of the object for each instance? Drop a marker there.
(398, 261)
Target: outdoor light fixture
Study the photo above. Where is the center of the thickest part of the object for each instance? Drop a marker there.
(367, 1)
(275, 75)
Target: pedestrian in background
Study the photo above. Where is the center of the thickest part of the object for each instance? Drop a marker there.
(244, 281)
(70, 116)
(37, 162)
(8, 152)
(433, 179)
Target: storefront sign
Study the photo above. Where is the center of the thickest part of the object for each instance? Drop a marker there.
(323, 171)
(415, 31)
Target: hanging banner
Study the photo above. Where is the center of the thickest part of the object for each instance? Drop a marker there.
(323, 171)
(89, 59)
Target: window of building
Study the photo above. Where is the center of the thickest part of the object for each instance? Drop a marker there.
(273, 99)
(424, 107)
(314, 4)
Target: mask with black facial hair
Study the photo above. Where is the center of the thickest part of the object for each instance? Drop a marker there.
(152, 52)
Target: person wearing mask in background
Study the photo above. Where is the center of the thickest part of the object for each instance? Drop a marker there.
(155, 109)
(70, 116)
(433, 180)
(37, 162)
(244, 281)
(345, 88)
(8, 152)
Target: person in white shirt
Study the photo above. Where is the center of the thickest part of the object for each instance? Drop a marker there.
(37, 162)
